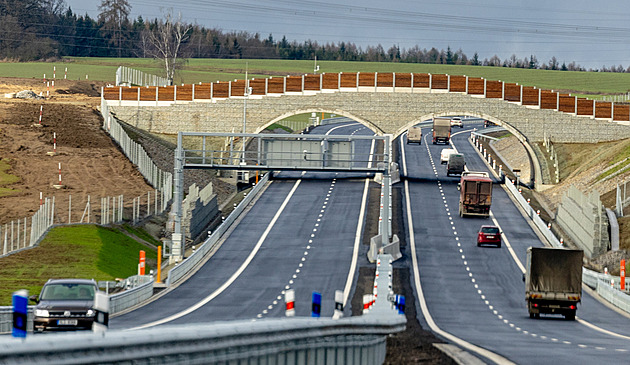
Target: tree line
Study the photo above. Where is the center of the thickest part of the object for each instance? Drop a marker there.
(45, 29)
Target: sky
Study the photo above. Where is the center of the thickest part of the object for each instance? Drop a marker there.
(591, 33)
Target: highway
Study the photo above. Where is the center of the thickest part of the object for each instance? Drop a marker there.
(302, 233)
(474, 296)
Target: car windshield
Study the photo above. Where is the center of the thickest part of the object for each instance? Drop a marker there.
(68, 292)
(491, 230)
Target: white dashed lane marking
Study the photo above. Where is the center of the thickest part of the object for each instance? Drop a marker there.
(479, 292)
(304, 256)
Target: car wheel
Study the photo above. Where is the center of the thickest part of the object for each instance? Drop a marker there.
(478, 244)
(499, 245)
(531, 315)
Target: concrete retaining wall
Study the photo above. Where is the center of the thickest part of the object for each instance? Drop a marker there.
(199, 209)
(584, 219)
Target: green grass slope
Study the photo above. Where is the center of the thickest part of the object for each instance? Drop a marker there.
(211, 70)
(81, 251)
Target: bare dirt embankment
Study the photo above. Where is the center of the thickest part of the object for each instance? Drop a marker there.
(581, 165)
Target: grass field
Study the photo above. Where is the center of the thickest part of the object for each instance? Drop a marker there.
(209, 70)
(82, 251)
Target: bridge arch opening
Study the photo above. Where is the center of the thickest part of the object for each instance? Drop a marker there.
(340, 113)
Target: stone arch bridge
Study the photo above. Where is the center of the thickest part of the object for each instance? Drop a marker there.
(385, 102)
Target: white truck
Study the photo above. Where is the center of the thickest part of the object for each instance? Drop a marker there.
(553, 281)
(414, 135)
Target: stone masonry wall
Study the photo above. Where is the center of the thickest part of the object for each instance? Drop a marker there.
(383, 112)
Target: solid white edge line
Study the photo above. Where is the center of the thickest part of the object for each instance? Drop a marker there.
(357, 236)
(357, 245)
(520, 265)
(423, 305)
(234, 276)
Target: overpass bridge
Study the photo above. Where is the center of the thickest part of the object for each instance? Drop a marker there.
(387, 103)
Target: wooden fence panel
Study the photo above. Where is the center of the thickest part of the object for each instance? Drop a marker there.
(330, 81)
(147, 93)
(494, 89)
(567, 104)
(129, 93)
(349, 80)
(585, 106)
(294, 83)
(439, 82)
(621, 112)
(421, 80)
(512, 92)
(476, 86)
(385, 79)
(184, 93)
(530, 96)
(402, 80)
(312, 82)
(458, 84)
(603, 109)
(220, 90)
(111, 93)
(367, 79)
(238, 88)
(202, 91)
(166, 93)
(275, 85)
(258, 86)
(548, 99)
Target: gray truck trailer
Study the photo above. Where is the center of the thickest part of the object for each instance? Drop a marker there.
(553, 281)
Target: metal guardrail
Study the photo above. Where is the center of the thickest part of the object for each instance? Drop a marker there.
(141, 290)
(182, 269)
(295, 340)
(598, 281)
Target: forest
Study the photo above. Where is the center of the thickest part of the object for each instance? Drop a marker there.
(49, 29)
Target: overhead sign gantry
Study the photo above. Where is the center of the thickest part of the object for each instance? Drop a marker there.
(275, 152)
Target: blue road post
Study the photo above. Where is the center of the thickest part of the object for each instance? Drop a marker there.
(20, 313)
(317, 304)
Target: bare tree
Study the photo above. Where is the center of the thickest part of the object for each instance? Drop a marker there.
(166, 40)
(113, 13)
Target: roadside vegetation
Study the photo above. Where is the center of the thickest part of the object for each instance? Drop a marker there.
(80, 251)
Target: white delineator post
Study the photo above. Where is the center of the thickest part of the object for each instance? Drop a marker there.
(289, 299)
(338, 313)
(41, 112)
(65, 75)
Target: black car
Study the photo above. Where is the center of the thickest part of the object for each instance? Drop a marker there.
(65, 304)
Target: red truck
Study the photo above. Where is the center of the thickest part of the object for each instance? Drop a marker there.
(475, 194)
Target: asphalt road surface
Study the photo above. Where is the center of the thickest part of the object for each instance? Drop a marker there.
(475, 296)
(300, 234)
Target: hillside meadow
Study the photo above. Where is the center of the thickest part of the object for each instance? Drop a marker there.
(592, 84)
